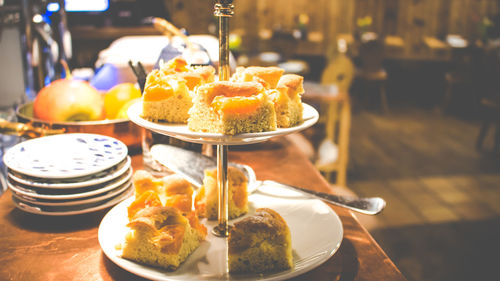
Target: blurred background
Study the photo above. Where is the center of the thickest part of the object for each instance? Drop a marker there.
(407, 90)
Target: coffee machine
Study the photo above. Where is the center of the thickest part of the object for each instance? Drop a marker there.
(15, 78)
(33, 40)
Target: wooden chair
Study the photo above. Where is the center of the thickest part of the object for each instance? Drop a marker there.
(489, 103)
(333, 152)
(371, 70)
(490, 116)
(338, 72)
(465, 73)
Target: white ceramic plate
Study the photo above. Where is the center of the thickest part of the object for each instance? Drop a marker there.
(65, 155)
(181, 131)
(92, 180)
(68, 194)
(72, 202)
(73, 210)
(316, 235)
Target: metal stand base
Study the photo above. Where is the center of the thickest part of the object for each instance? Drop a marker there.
(222, 230)
(223, 10)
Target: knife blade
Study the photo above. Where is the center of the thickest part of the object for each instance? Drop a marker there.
(192, 165)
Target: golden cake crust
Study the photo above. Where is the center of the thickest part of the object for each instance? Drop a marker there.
(206, 198)
(207, 73)
(260, 243)
(287, 100)
(273, 71)
(171, 190)
(229, 89)
(266, 76)
(264, 220)
(168, 91)
(196, 77)
(293, 82)
(164, 230)
(160, 236)
(232, 108)
(156, 217)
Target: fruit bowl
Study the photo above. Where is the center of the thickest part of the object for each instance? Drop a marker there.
(121, 129)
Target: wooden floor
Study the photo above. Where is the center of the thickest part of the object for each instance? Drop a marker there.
(442, 221)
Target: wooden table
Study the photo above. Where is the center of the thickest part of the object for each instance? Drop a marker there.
(35, 247)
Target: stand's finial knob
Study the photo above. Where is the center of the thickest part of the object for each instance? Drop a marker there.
(224, 8)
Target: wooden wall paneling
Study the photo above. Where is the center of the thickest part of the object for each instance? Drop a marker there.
(465, 11)
(348, 25)
(373, 8)
(332, 21)
(339, 19)
(442, 17)
(244, 23)
(431, 19)
(405, 25)
(408, 28)
(194, 15)
(265, 13)
(403, 19)
(316, 27)
(409, 19)
(342, 17)
(472, 21)
(379, 12)
(264, 10)
(390, 19)
(316, 14)
(417, 24)
(455, 22)
(454, 25)
(361, 10)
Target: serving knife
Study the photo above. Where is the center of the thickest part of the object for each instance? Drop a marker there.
(191, 165)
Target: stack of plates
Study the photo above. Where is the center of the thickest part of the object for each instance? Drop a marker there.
(68, 174)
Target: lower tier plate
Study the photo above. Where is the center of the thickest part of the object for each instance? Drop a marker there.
(316, 232)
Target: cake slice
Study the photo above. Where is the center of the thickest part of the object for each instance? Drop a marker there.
(168, 91)
(267, 76)
(165, 98)
(194, 75)
(175, 65)
(206, 200)
(232, 108)
(260, 243)
(287, 100)
(160, 236)
(171, 190)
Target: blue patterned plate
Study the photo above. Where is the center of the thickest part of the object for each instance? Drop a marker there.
(69, 183)
(73, 209)
(65, 156)
(68, 194)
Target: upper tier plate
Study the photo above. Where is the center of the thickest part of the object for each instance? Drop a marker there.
(181, 131)
(65, 156)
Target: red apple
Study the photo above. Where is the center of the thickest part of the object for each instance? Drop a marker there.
(69, 100)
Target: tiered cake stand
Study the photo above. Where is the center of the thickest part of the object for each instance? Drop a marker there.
(306, 217)
(223, 10)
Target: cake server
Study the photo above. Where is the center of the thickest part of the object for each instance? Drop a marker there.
(191, 165)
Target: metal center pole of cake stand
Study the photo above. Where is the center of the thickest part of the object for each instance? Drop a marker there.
(223, 10)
